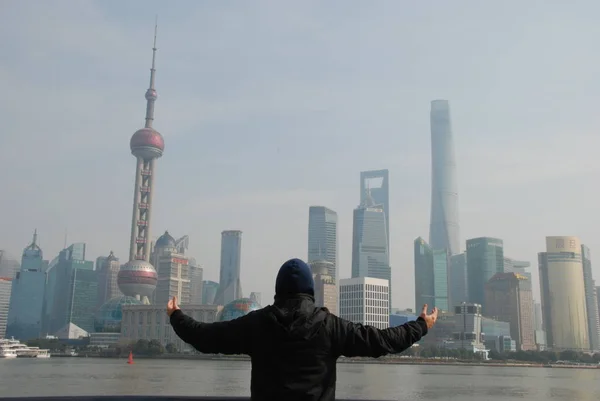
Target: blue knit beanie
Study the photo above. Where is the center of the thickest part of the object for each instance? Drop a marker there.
(294, 277)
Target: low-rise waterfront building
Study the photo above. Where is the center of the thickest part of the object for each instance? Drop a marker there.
(150, 322)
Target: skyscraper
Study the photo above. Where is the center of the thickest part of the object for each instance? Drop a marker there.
(563, 295)
(107, 268)
(596, 320)
(598, 297)
(326, 294)
(424, 292)
(25, 311)
(9, 266)
(230, 286)
(209, 292)
(431, 276)
(322, 237)
(49, 294)
(540, 332)
(376, 183)
(370, 256)
(509, 298)
(71, 290)
(485, 258)
(137, 278)
(5, 289)
(82, 296)
(173, 271)
(545, 298)
(591, 301)
(444, 228)
(196, 282)
(537, 316)
(457, 279)
(440, 278)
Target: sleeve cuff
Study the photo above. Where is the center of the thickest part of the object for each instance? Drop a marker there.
(422, 324)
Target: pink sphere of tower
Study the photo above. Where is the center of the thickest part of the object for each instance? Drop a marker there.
(147, 143)
(137, 278)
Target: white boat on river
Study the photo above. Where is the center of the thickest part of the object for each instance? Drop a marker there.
(11, 348)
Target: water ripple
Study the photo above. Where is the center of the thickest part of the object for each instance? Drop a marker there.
(88, 376)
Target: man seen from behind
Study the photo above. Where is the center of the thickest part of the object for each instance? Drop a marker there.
(294, 345)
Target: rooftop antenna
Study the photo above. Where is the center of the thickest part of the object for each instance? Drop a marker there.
(151, 94)
(34, 241)
(65, 244)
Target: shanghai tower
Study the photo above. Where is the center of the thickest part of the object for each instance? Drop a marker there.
(137, 278)
(444, 228)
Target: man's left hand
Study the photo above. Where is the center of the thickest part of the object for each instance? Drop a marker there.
(172, 306)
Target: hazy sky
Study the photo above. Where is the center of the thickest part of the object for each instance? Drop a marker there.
(268, 107)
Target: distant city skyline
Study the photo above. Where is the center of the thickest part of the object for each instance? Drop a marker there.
(246, 182)
(72, 289)
(234, 117)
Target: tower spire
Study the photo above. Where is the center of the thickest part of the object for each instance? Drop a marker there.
(34, 242)
(151, 94)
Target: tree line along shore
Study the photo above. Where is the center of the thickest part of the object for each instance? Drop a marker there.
(414, 356)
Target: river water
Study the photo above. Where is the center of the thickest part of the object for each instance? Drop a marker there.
(91, 376)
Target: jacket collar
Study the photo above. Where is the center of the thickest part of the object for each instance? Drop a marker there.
(295, 300)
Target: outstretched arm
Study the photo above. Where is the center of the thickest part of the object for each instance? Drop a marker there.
(368, 341)
(230, 337)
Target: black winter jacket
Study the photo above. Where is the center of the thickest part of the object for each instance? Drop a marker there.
(294, 346)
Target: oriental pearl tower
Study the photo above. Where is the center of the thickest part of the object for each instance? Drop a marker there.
(137, 278)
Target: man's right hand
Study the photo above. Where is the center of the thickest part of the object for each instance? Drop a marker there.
(429, 318)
